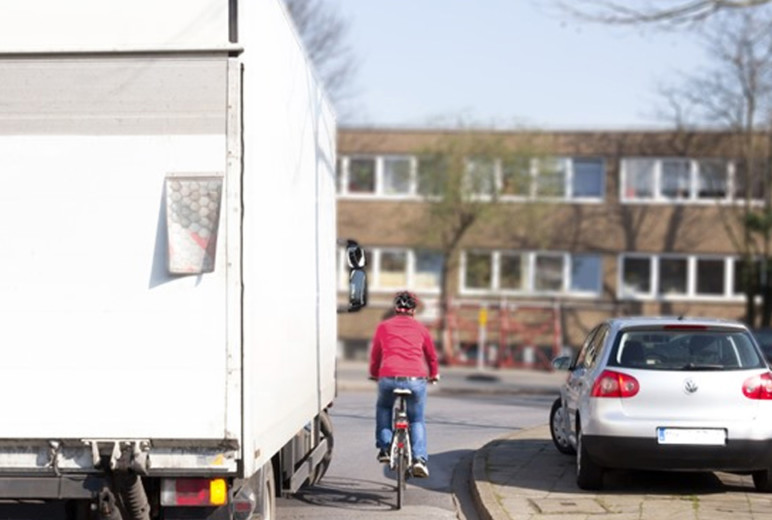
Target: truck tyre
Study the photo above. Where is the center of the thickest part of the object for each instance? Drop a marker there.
(325, 428)
(267, 509)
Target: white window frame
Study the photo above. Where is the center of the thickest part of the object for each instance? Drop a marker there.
(374, 271)
(568, 181)
(691, 278)
(694, 176)
(379, 191)
(528, 259)
(413, 194)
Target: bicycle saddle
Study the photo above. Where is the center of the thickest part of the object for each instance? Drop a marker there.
(402, 391)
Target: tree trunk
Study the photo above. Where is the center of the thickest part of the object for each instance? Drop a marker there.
(445, 332)
(750, 291)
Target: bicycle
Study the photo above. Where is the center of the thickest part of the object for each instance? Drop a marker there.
(400, 451)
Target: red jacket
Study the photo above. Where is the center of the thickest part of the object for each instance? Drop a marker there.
(403, 347)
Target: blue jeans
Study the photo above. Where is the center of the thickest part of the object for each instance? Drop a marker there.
(416, 404)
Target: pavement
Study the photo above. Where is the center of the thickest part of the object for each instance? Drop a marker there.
(522, 476)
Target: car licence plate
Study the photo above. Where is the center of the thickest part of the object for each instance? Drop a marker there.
(701, 436)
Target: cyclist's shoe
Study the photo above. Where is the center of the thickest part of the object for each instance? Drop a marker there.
(419, 468)
(383, 456)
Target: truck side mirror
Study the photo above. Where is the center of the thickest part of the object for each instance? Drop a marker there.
(355, 255)
(357, 290)
(357, 280)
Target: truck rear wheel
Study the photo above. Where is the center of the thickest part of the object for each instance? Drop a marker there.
(267, 508)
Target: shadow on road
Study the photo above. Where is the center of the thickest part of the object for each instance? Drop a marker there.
(520, 462)
(345, 493)
(441, 466)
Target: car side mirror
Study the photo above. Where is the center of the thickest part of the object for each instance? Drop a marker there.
(561, 363)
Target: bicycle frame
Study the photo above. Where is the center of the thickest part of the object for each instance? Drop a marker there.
(401, 451)
(401, 432)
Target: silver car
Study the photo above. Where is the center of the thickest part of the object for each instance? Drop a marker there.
(682, 394)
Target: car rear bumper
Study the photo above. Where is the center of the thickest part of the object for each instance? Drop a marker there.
(648, 454)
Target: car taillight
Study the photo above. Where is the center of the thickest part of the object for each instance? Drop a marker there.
(615, 384)
(758, 387)
(194, 492)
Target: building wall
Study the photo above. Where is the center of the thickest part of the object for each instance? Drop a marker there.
(681, 236)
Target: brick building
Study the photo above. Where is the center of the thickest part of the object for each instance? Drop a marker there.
(633, 223)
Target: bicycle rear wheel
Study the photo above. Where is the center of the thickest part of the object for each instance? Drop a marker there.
(401, 469)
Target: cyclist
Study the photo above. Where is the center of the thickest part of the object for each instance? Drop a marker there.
(403, 356)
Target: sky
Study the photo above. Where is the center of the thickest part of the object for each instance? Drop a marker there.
(507, 64)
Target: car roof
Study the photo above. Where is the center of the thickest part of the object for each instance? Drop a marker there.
(661, 321)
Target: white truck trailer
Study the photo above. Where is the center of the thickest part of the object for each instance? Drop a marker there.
(168, 276)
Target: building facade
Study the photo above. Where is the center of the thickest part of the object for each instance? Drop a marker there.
(594, 224)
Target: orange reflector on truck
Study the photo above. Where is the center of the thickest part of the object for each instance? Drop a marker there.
(194, 492)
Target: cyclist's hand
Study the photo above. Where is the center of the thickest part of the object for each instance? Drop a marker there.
(434, 380)
(371, 378)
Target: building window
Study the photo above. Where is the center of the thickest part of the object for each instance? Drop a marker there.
(692, 276)
(672, 276)
(636, 275)
(478, 271)
(710, 276)
(638, 182)
(678, 179)
(361, 175)
(551, 175)
(396, 176)
(516, 177)
(712, 179)
(512, 271)
(588, 177)
(392, 269)
(532, 272)
(480, 176)
(428, 270)
(586, 273)
(548, 274)
(565, 178)
(430, 176)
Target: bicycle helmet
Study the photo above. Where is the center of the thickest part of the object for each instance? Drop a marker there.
(405, 302)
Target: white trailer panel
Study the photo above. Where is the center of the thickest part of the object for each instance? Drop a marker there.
(290, 325)
(99, 341)
(57, 25)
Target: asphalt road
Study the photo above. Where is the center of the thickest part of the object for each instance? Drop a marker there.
(357, 486)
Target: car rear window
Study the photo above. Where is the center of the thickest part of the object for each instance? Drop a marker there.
(685, 350)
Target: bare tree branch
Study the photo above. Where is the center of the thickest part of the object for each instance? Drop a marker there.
(324, 33)
(675, 12)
